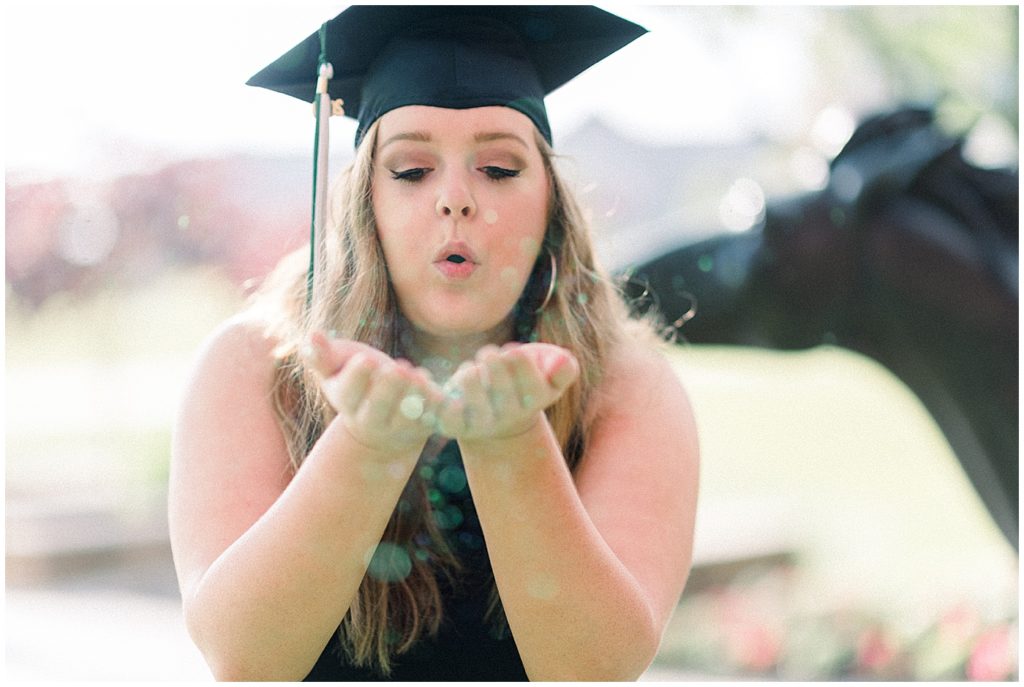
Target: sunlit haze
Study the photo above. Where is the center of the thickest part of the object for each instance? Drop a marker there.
(102, 88)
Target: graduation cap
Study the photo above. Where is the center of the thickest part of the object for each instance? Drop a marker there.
(374, 59)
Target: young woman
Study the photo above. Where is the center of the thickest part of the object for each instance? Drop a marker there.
(461, 461)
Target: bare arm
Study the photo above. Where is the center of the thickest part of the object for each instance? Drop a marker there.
(268, 564)
(589, 571)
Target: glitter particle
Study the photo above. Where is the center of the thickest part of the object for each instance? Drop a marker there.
(449, 517)
(412, 406)
(529, 246)
(510, 276)
(542, 587)
(452, 479)
(388, 562)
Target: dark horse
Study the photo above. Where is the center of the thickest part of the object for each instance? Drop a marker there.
(910, 257)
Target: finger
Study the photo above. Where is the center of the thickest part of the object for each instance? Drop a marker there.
(326, 356)
(501, 387)
(478, 413)
(454, 411)
(383, 397)
(434, 401)
(553, 361)
(451, 416)
(416, 398)
(423, 377)
(529, 382)
(353, 382)
(562, 370)
(315, 353)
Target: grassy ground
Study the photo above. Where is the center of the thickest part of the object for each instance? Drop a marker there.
(92, 384)
(828, 457)
(855, 467)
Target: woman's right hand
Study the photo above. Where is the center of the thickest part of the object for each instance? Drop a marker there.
(385, 404)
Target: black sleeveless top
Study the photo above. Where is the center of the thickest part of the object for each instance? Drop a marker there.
(467, 646)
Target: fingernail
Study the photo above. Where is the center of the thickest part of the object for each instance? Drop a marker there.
(312, 351)
(565, 373)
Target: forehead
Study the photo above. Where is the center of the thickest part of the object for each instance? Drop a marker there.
(445, 124)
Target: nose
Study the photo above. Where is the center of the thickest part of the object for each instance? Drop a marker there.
(455, 198)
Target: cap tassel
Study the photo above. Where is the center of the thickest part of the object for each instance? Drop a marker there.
(321, 139)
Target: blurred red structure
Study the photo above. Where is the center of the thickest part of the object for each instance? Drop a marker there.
(241, 214)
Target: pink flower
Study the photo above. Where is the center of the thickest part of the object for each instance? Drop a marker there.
(875, 651)
(755, 647)
(990, 658)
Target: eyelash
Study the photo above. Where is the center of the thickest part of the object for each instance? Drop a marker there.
(498, 173)
(410, 175)
(417, 173)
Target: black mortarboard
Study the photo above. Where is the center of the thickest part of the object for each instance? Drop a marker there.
(377, 58)
(385, 57)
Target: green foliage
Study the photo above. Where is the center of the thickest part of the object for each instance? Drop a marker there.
(965, 54)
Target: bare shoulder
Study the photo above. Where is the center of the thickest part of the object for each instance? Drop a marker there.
(229, 394)
(639, 379)
(641, 410)
(239, 346)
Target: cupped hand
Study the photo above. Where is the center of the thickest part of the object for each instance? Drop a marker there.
(385, 404)
(504, 391)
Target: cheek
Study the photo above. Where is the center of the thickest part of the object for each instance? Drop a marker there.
(521, 235)
(523, 215)
(392, 217)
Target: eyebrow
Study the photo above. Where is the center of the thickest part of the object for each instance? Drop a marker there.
(421, 136)
(499, 136)
(424, 137)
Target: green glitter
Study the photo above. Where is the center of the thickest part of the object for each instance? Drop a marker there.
(452, 479)
(389, 563)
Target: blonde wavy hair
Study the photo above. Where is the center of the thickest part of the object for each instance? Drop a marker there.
(585, 315)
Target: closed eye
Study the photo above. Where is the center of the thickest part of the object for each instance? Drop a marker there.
(499, 173)
(410, 175)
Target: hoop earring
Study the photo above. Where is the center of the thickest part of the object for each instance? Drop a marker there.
(551, 283)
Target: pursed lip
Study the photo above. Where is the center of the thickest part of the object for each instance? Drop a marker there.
(455, 248)
(456, 270)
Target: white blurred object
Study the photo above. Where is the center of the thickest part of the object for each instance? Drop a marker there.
(831, 130)
(743, 205)
(992, 143)
(809, 168)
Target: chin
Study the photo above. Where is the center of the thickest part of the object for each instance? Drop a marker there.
(452, 324)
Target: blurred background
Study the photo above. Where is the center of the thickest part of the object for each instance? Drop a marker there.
(147, 190)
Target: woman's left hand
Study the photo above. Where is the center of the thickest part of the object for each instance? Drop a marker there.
(504, 391)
